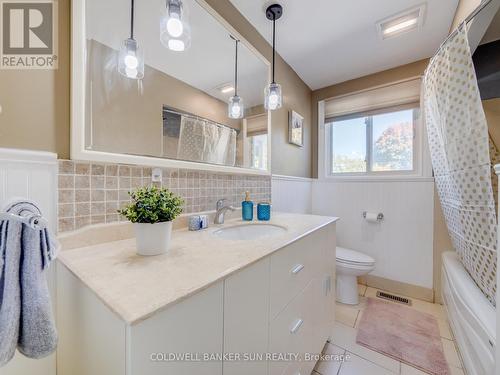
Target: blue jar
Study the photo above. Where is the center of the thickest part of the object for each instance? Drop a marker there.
(247, 208)
(264, 211)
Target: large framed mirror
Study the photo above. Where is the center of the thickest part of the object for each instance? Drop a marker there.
(177, 115)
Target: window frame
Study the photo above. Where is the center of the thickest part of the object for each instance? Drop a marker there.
(417, 170)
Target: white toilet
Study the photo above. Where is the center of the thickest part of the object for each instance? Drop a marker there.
(351, 264)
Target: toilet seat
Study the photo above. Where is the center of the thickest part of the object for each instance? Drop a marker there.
(354, 258)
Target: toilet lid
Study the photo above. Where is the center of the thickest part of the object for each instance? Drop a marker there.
(351, 256)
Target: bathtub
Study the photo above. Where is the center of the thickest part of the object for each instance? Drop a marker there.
(472, 317)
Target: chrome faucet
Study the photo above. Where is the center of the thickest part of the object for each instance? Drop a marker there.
(221, 208)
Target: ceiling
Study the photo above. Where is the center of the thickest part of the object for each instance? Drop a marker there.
(331, 41)
(206, 65)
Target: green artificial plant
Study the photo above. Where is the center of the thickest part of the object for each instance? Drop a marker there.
(151, 204)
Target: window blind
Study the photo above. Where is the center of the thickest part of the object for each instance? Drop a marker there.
(393, 95)
(257, 125)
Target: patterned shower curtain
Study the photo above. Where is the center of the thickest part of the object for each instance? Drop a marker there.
(205, 141)
(458, 141)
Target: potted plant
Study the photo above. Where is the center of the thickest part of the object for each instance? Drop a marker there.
(152, 211)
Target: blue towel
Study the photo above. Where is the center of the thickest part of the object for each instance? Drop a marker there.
(26, 318)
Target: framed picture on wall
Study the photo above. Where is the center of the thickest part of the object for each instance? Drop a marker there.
(295, 129)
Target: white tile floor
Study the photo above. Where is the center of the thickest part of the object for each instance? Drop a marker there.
(363, 361)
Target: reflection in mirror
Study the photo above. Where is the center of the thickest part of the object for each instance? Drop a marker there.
(179, 110)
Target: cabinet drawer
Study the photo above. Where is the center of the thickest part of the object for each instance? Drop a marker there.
(292, 331)
(292, 268)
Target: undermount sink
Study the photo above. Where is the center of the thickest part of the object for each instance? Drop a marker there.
(249, 231)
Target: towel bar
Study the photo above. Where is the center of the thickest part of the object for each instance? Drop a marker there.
(33, 221)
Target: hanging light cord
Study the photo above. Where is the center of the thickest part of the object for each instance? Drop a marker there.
(274, 43)
(236, 70)
(131, 19)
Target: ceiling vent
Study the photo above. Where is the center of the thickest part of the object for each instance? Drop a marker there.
(225, 88)
(409, 20)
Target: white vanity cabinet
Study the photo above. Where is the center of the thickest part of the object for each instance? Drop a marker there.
(95, 341)
(282, 303)
(302, 300)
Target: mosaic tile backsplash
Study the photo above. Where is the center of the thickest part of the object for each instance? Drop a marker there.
(91, 193)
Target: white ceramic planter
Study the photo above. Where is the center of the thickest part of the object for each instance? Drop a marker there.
(153, 239)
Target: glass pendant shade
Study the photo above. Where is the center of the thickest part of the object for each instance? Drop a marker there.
(175, 33)
(273, 97)
(272, 93)
(131, 60)
(236, 108)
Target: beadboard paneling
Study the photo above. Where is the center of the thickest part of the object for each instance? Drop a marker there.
(32, 175)
(291, 194)
(402, 244)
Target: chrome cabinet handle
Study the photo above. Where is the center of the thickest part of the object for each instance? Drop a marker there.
(296, 326)
(297, 269)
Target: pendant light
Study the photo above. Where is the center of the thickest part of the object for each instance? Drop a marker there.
(175, 33)
(236, 108)
(272, 92)
(131, 59)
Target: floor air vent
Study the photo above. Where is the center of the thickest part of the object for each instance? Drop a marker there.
(393, 298)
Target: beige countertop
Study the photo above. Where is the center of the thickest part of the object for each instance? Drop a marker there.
(135, 287)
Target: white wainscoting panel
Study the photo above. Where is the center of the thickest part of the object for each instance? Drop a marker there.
(291, 194)
(32, 175)
(402, 244)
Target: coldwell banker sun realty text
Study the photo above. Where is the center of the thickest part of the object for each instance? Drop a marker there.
(28, 34)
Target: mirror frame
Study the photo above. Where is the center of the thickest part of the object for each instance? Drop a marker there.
(78, 79)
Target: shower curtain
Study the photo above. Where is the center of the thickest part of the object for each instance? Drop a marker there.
(205, 141)
(459, 146)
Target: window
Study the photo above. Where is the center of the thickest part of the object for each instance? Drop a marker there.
(373, 143)
(258, 151)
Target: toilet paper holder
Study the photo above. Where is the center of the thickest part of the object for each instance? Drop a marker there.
(380, 216)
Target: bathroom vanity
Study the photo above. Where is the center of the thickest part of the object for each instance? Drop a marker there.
(218, 302)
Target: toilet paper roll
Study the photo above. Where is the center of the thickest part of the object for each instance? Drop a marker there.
(371, 217)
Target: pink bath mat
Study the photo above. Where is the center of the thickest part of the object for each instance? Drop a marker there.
(407, 335)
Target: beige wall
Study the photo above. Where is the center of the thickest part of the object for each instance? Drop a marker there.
(465, 7)
(36, 103)
(441, 240)
(492, 111)
(127, 119)
(36, 106)
(287, 159)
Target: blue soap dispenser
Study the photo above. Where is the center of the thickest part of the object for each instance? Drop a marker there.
(247, 208)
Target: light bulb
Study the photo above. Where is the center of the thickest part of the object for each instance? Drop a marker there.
(174, 25)
(131, 61)
(236, 108)
(176, 45)
(131, 72)
(273, 100)
(273, 96)
(175, 33)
